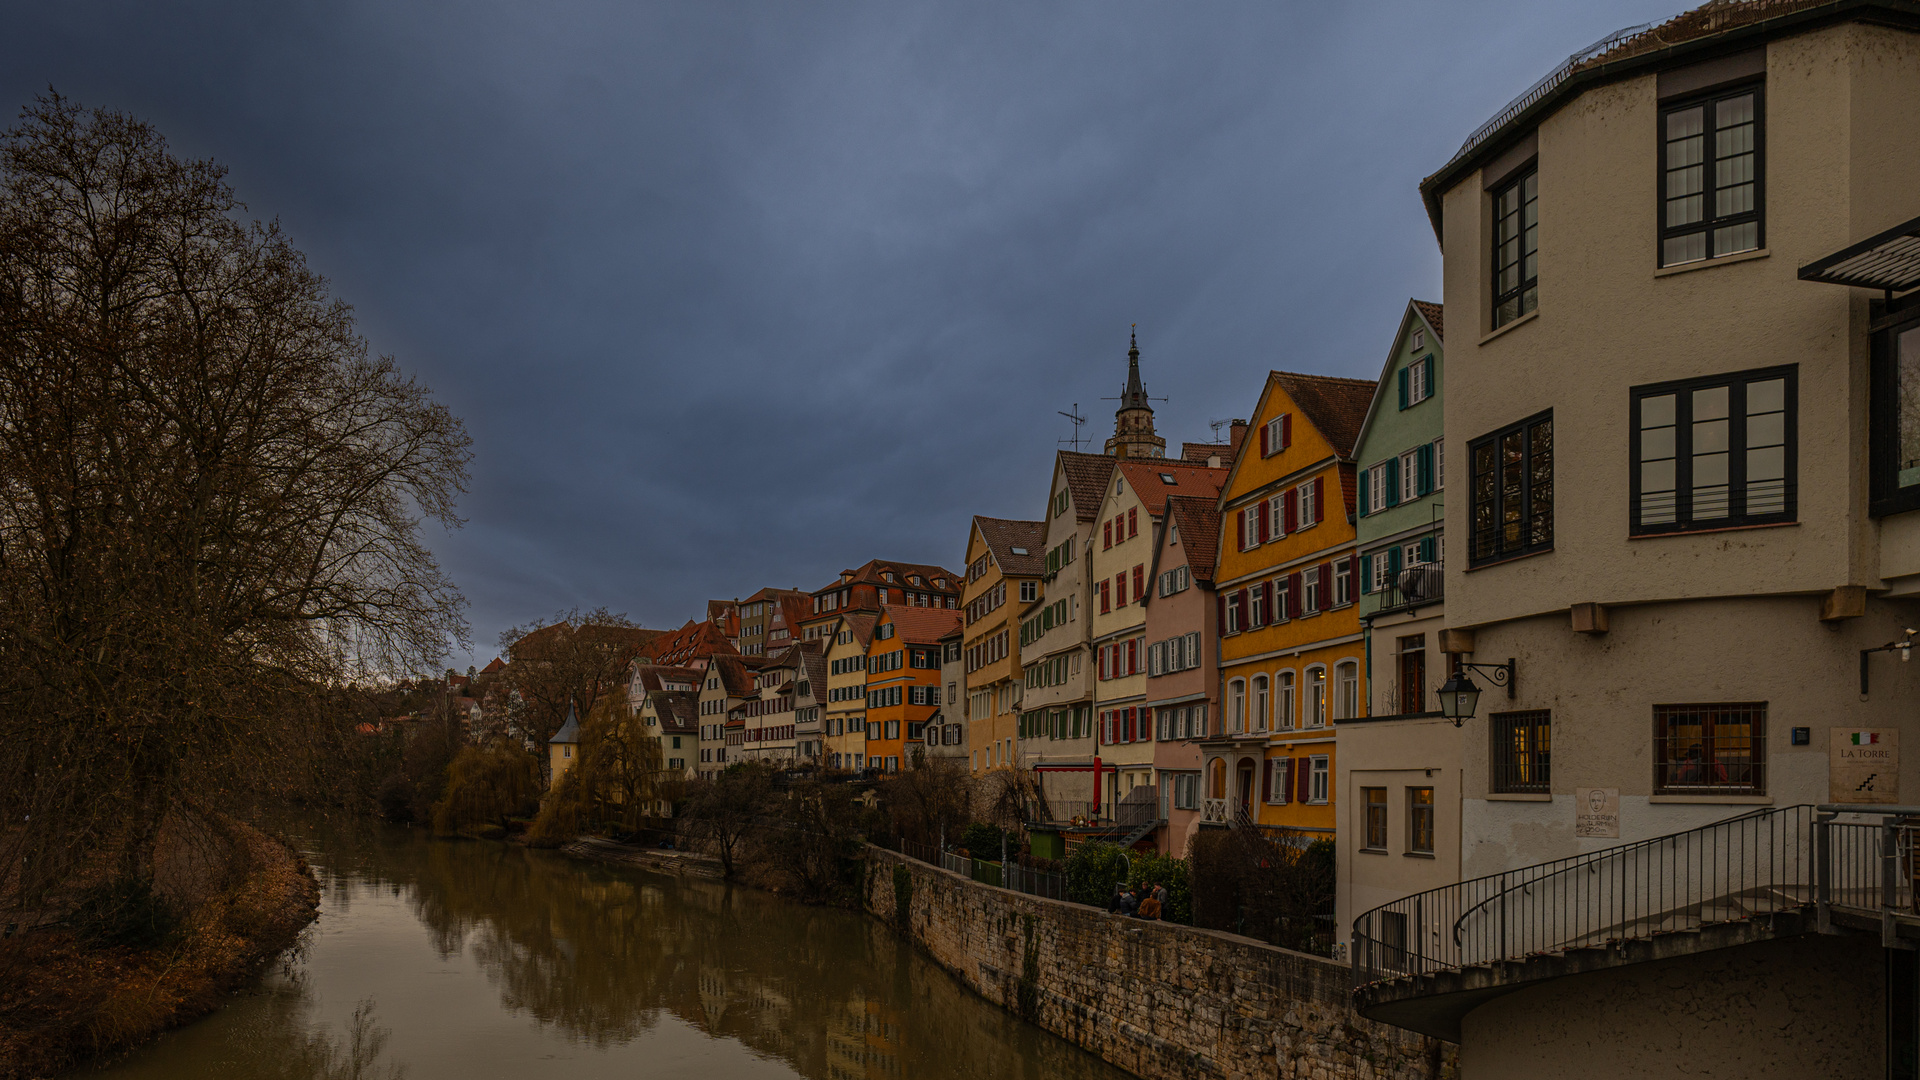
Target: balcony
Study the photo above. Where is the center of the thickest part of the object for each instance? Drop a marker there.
(1424, 961)
(1412, 587)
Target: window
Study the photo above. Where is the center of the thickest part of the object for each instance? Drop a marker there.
(1894, 442)
(1439, 463)
(1310, 591)
(1420, 821)
(1346, 690)
(1715, 749)
(1512, 490)
(1373, 811)
(1321, 777)
(1377, 486)
(1714, 453)
(1259, 715)
(1029, 591)
(1283, 701)
(1316, 697)
(1343, 582)
(1416, 382)
(1710, 202)
(1410, 476)
(1309, 503)
(1522, 751)
(1237, 704)
(1250, 526)
(1413, 674)
(1516, 248)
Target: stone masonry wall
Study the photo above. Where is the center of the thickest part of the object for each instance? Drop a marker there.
(1161, 1000)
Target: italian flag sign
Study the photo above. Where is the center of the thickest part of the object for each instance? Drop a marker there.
(1865, 738)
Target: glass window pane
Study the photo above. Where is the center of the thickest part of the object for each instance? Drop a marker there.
(1736, 238)
(1656, 411)
(1710, 404)
(1656, 443)
(1907, 372)
(1768, 396)
(1769, 429)
(1733, 200)
(1685, 211)
(1683, 249)
(1685, 181)
(1686, 122)
(1768, 463)
(1734, 111)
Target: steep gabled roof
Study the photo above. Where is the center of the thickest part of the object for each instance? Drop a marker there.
(679, 710)
(1087, 476)
(1002, 536)
(654, 677)
(1197, 520)
(691, 642)
(736, 674)
(1434, 314)
(494, 665)
(1148, 478)
(1417, 311)
(1335, 407)
(921, 625)
(570, 731)
(862, 624)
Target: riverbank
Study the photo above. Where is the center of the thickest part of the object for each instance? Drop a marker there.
(681, 863)
(1161, 1000)
(64, 1001)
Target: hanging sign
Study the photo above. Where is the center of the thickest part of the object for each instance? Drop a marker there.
(1863, 765)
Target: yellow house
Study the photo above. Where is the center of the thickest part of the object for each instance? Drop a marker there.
(563, 749)
(1291, 653)
(844, 723)
(1004, 562)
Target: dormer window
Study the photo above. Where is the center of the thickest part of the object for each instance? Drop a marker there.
(1167, 478)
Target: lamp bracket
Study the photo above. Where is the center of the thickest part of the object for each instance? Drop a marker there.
(1498, 674)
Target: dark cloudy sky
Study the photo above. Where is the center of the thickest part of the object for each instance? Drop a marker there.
(733, 294)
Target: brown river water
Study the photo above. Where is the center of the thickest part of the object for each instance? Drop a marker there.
(471, 960)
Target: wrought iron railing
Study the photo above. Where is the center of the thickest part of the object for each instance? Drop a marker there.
(1747, 865)
(1415, 585)
(1011, 874)
(1853, 863)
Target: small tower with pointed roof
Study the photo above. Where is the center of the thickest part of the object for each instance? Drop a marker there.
(1133, 435)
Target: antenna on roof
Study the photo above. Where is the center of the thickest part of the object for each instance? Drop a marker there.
(1216, 425)
(1077, 420)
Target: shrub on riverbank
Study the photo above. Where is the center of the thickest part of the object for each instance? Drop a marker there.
(67, 995)
(486, 786)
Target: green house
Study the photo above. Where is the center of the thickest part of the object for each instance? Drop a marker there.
(1401, 455)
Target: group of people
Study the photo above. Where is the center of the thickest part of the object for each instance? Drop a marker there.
(1145, 902)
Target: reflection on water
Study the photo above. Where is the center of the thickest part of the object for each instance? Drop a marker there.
(478, 960)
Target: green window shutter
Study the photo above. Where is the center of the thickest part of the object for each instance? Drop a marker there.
(1363, 492)
(1405, 379)
(1393, 562)
(1366, 573)
(1393, 479)
(1431, 388)
(1424, 456)
(1427, 550)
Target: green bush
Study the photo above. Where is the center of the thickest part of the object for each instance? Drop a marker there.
(1170, 873)
(982, 840)
(1093, 870)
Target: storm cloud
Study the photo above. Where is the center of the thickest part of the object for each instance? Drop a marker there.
(733, 295)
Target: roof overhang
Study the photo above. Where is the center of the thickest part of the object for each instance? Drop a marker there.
(1888, 261)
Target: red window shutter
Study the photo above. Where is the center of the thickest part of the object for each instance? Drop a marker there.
(1294, 594)
(1108, 533)
(1133, 521)
(1319, 499)
(1291, 511)
(1133, 725)
(1265, 450)
(1221, 603)
(1286, 430)
(1240, 604)
(1303, 778)
(1266, 781)
(1120, 589)
(1265, 517)
(1139, 580)
(1326, 585)
(1133, 660)
(1353, 576)
(1101, 587)
(1286, 779)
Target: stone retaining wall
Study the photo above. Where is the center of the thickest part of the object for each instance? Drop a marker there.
(1158, 999)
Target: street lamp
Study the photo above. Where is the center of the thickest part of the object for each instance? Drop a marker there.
(1459, 695)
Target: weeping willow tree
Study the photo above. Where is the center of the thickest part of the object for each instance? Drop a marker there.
(617, 780)
(211, 501)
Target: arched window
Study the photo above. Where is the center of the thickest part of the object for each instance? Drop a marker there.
(1237, 707)
(1316, 697)
(1217, 779)
(1283, 702)
(1346, 678)
(1259, 703)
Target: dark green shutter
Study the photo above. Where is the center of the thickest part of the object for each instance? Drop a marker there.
(1427, 551)
(1366, 573)
(1393, 563)
(1363, 492)
(1405, 378)
(1393, 478)
(1424, 458)
(1431, 388)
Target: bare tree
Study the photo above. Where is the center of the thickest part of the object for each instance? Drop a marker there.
(930, 801)
(569, 663)
(210, 498)
(723, 810)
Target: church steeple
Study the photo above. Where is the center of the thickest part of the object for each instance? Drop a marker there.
(1133, 434)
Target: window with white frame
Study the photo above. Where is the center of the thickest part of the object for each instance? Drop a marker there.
(1343, 583)
(1419, 338)
(1029, 591)
(1418, 389)
(1237, 707)
(1346, 690)
(1320, 777)
(1259, 715)
(1439, 463)
(1250, 526)
(1377, 488)
(1309, 510)
(1316, 697)
(1283, 701)
(1310, 590)
(1277, 518)
(1409, 476)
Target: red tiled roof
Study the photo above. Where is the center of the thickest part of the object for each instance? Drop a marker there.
(1199, 452)
(921, 625)
(1433, 313)
(870, 572)
(862, 624)
(1002, 535)
(1335, 407)
(1349, 488)
(735, 674)
(1087, 476)
(691, 642)
(493, 665)
(1147, 478)
(679, 710)
(1197, 520)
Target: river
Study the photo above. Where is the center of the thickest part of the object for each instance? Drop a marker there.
(472, 960)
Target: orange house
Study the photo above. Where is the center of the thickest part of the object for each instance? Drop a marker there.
(903, 681)
(1292, 658)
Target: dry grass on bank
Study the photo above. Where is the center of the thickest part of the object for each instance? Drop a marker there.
(63, 1001)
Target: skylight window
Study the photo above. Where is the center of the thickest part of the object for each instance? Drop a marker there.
(1167, 478)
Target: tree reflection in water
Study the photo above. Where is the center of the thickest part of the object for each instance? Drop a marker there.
(602, 956)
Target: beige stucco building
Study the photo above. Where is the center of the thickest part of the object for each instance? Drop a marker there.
(1682, 457)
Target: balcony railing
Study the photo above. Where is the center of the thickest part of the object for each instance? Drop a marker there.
(1858, 871)
(1413, 586)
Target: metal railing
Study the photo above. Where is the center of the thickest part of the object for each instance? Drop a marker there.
(1748, 865)
(1545, 86)
(1857, 863)
(1424, 583)
(1011, 874)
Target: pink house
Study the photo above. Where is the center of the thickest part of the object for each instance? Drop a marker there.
(1182, 669)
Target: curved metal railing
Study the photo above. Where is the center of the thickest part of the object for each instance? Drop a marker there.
(1747, 865)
